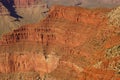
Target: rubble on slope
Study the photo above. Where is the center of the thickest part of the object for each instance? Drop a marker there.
(113, 52)
(114, 17)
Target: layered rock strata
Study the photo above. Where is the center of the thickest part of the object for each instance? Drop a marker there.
(72, 43)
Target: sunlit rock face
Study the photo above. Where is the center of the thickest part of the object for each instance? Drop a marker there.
(71, 43)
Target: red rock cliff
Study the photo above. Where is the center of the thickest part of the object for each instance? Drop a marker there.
(71, 43)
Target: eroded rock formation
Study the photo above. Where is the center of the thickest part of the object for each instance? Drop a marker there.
(72, 43)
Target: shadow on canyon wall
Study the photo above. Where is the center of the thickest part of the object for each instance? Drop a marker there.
(9, 4)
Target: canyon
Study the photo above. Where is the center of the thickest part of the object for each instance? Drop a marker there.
(30, 11)
(71, 43)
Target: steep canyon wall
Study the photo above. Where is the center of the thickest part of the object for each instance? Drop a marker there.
(72, 43)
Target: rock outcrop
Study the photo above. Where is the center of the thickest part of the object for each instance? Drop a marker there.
(72, 43)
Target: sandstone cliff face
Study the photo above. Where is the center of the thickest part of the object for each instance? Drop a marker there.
(79, 14)
(72, 43)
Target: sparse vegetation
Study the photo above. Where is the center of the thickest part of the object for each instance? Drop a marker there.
(114, 17)
(113, 52)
